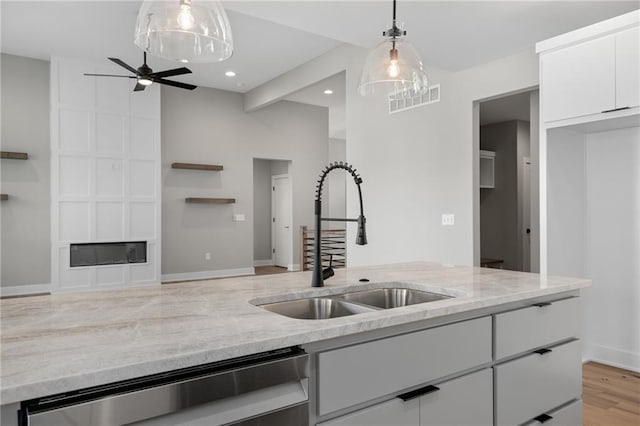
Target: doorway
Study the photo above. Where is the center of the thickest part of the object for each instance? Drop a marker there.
(506, 201)
(272, 214)
(281, 221)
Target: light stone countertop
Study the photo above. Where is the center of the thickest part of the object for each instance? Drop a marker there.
(63, 342)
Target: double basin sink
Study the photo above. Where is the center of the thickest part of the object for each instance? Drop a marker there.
(356, 302)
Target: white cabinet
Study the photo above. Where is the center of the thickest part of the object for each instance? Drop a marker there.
(567, 415)
(592, 77)
(467, 400)
(534, 384)
(487, 169)
(579, 80)
(628, 68)
(395, 412)
(360, 373)
(545, 323)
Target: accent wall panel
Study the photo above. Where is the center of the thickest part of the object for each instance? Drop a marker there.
(105, 169)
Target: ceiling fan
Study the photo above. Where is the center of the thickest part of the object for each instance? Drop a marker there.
(146, 76)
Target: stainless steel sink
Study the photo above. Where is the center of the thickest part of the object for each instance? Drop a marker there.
(387, 298)
(315, 308)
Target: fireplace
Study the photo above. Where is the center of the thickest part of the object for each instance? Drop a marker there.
(116, 253)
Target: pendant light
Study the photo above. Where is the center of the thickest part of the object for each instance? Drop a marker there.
(394, 66)
(184, 30)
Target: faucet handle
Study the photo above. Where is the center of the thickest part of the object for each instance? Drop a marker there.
(328, 272)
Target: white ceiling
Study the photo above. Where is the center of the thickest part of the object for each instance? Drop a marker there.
(314, 94)
(272, 37)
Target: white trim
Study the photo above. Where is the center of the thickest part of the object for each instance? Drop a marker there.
(205, 275)
(265, 262)
(273, 215)
(599, 29)
(293, 267)
(25, 290)
(611, 356)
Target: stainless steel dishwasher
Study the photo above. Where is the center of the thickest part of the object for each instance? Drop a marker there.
(270, 388)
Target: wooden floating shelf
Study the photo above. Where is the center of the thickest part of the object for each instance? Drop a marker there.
(14, 155)
(192, 166)
(4, 197)
(210, 200)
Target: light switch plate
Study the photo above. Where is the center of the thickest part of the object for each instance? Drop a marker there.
(448, 219)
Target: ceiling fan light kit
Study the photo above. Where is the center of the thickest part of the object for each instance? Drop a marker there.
(184, 30)
(145, 76)
(394, 66)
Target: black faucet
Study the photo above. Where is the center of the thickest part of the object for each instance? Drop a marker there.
(319, 274)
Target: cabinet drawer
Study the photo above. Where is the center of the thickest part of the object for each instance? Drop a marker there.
(569, 415)
(395, 412)
(536, 383)
(467, 400)
(359, 373)
(528, 328)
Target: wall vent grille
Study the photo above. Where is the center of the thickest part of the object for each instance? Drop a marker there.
(408, 99)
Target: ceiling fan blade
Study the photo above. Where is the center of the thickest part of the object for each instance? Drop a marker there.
(174, 83)
(111, 75)
(122, 64)
(169, 73)
(139, 87)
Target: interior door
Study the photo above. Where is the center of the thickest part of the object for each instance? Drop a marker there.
(281, 209)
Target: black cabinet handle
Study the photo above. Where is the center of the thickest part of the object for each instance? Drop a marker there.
(542, 304)
(615, 109)
(542, 418)
(542, 352)
(418, 392)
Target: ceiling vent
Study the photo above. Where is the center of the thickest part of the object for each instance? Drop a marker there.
(408, 99)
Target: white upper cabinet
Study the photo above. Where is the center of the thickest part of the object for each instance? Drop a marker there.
(628, 68)
(579, 80)
(591, 71)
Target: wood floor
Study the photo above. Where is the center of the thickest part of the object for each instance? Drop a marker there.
(268, 270)
(611, 396)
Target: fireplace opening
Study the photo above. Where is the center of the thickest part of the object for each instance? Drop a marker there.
(93, 254)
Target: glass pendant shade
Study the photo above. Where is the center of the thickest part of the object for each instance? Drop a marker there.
(393, 67)
(184, 30)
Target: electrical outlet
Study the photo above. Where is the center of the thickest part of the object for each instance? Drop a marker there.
(448, 219)
(239, 218)
(207, 256)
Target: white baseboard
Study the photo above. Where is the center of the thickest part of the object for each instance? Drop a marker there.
(293, 267)
(205, 275)
(611, 356)
(265, 262)
(25, 290)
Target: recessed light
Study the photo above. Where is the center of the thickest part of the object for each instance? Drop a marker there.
(328, 92)
(230, 74)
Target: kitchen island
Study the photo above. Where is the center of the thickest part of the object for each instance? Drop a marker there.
(64, 342)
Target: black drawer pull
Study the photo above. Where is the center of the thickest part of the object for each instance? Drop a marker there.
(542, 304)
(418, 392)
(615, 109)
(542, 352)
(542, 418)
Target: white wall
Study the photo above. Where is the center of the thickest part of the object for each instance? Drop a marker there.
(612, 303)
(105, 172)
(211, 126)
(565, 203)
(25, 230)
(419, 164)
(336, 184)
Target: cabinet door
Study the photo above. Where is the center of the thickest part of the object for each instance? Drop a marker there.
(360, 373)
(568, 415)
(534, 384)
(395, 412)
(628, 68)
(579, 80)
(467, 400)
